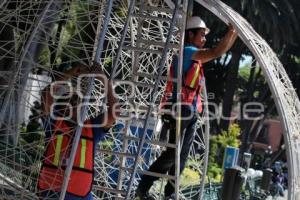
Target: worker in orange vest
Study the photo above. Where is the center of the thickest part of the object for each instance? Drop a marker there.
(194, 56)
(60, 125)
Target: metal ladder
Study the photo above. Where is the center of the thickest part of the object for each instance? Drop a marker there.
(159, 48)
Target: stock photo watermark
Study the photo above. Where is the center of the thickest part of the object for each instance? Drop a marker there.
(71, 101)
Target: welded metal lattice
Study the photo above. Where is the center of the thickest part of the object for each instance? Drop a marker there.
(39, 39)
(44, 37)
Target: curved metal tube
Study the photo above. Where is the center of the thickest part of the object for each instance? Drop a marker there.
(36, 27)
(206, 141)
(285, 97)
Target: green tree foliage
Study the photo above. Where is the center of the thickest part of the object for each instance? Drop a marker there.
(189, 177)
(218, 144)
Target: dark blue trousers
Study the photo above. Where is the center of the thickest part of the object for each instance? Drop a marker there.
(166, 161)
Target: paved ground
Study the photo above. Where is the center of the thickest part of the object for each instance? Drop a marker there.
(279, 198)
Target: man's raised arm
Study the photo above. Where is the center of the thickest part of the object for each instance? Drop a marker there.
(206, 55)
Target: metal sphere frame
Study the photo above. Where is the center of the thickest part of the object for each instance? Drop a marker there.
(137, 39)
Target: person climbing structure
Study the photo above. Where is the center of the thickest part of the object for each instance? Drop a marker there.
(193, 57)
(60, 124)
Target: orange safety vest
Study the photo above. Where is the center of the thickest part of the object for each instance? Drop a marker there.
(191, 86)
(56, 156)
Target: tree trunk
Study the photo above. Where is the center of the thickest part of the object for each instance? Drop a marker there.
(230, 87)
(6, 52)
(250, 127)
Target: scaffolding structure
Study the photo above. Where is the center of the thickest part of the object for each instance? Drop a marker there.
(134, 42)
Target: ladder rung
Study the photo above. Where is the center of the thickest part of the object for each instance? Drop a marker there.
(142, 74)
(136, 83)
(119, 198)
(158, 9)
(121, 154)
(143, 84)
(155, 18)
(149, 173)
(153, 51)
(158, 43)
(111, 190)
(139, 120)
(163, 144)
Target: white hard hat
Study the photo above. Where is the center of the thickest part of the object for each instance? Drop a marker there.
(196, 22)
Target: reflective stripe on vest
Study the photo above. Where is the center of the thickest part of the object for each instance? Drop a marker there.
(192, 85)
(82, 153)
(57, 150)
(53, 168)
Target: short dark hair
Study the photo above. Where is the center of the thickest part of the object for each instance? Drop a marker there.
(59, 109)
(193, 30)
